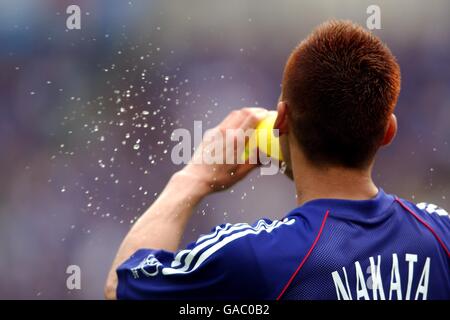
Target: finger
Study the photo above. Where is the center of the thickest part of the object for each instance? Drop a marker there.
(231, 120)
(236, 118)
(253, 118)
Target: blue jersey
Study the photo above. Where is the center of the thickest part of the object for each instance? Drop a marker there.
(382, 248)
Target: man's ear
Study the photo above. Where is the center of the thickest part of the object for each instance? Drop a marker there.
(281, 122)
(391, 130)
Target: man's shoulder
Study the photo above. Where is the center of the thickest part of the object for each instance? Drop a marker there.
(426, 211)
(263, 229)
(267, 251)
(432, 217)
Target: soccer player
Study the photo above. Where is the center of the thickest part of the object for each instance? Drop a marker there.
(347, 239)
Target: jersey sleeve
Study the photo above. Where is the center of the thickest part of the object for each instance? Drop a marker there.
(221, 265)
(437, 220)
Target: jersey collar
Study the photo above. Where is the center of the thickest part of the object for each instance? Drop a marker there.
(359, 210)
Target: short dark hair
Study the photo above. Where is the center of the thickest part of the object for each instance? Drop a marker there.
(341, 85)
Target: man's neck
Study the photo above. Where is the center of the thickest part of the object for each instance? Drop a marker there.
(313, 182)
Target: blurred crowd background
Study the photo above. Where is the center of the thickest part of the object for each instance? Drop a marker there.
(86, 117)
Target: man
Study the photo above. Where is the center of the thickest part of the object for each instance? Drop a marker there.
(347, 239)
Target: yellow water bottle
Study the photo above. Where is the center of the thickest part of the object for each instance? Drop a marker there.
(266, 141)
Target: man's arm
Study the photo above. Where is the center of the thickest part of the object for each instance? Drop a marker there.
(163, 224)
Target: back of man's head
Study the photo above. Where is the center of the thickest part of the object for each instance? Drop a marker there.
(341, 85)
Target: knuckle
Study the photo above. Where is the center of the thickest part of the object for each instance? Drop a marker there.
(221, 130)
(246, 111)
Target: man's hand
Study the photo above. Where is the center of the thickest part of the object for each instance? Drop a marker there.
(163, 224)
(219, 176)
